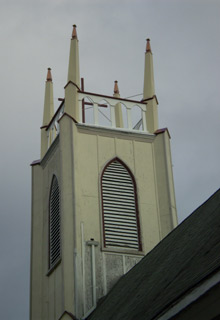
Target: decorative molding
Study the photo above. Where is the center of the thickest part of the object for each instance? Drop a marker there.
(69, 314)
(66, 114)
(154, 96)
(71, 82)
(119, 131)
(35, 162)
(162, 130)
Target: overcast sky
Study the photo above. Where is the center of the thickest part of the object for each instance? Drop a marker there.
(36, 34)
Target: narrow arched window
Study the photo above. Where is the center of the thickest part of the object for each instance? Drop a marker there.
(54, 224)
(120, 208)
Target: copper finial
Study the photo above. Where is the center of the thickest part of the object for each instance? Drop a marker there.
(148, 48)
(116, 90)
(49, 75)
(74, 34)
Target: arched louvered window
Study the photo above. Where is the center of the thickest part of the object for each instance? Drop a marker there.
(54, 224)
(119, 204)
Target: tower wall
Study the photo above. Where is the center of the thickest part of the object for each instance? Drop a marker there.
(72, 264)
(77, 158)
(46, 285)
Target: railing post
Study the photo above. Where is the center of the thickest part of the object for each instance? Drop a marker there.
(80, 111)
(144, 120)
(96, 117)
(113, 123)
(129, 118)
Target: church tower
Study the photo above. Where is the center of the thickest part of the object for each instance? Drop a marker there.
(102, 192)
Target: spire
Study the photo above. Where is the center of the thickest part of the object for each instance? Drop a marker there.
(118, 110)
(73, 79)
(48, 111)
(116, 90)
(149, 91)
(48, 99)
(74, 33)
(148, 47)
(73, 71)
(49, 75)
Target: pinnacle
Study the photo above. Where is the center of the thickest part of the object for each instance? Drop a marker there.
(148, 47)
(74, 33)
(116, 90)
(49, 75)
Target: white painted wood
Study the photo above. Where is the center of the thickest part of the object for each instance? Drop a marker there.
(96, 117)
(96, 99)
(104, 273)
(93, 276)
(144, 121)
(80, 111)
(111, 100)
(129, 119)
(83, 268)
(113, 123)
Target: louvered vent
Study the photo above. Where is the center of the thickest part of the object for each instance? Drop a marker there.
(54, 222)
(119, 207)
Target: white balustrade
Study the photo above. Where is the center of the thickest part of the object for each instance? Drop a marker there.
(96, 100)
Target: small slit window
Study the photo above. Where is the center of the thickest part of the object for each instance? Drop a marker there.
(54, 224)
(119, 204)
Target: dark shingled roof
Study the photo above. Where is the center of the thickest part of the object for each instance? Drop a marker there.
(188, 255)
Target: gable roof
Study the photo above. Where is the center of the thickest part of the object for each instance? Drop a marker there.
(187, 256)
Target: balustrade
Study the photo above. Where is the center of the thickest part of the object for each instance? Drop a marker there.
(96, 102)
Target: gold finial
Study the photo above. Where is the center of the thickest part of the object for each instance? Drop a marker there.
(74, 34)
(49, 75)
(148, 48)
(116, 90)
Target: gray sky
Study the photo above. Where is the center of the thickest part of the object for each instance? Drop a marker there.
(36, 35)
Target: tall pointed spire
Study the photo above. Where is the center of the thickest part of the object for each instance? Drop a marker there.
(49, 75)
(116, 90)
(118, 110)
(149, 91)
(48, 99)
(73, 79)
(74, 33)
(48, 111)
(148, 47)
(73, 70)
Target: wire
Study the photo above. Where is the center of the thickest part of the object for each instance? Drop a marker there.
(104, 115)
(136, 95)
